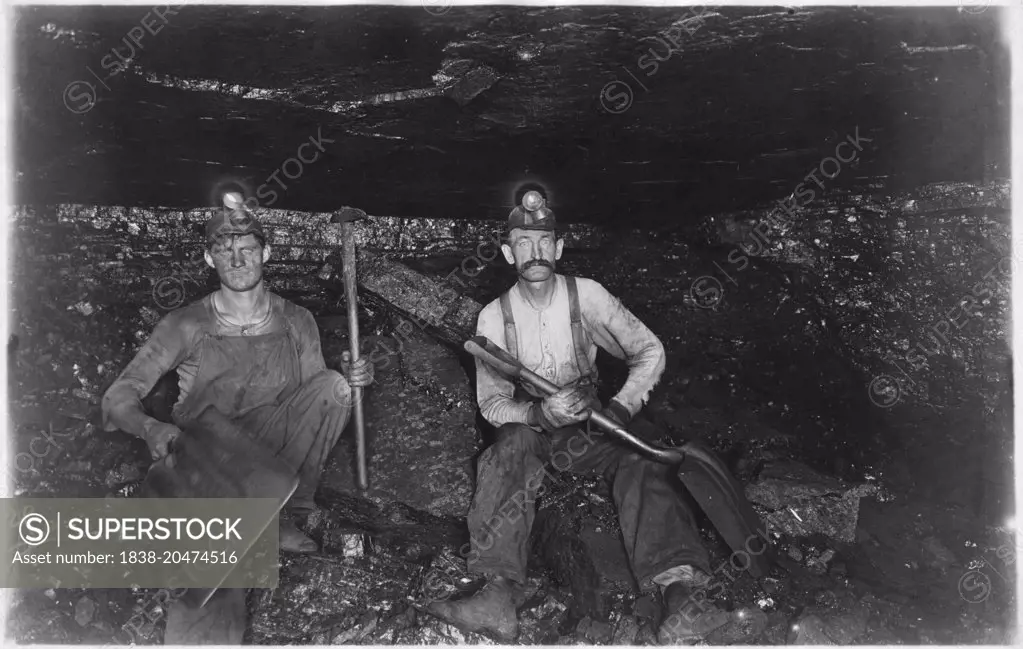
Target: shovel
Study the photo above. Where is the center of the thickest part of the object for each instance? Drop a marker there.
(706, 477)
(214, 458)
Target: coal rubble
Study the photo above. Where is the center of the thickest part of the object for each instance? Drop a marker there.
(872, 548)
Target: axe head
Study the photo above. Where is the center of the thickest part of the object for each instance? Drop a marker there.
(348, 215)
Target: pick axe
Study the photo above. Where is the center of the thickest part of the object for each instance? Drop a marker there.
(347, 216)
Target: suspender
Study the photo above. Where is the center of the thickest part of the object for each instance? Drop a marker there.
(579, 339)
(510, 341)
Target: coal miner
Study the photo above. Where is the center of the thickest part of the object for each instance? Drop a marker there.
(553, 324)
(256, 359)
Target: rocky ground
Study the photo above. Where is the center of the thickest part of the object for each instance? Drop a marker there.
(894, 507)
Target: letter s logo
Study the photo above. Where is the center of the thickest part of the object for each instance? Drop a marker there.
(616, 102)
(974, 587)
(34, 529)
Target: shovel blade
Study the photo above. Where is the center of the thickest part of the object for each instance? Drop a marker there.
(723, 500)
(215, 458)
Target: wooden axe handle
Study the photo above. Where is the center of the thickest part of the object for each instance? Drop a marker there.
(351, 296)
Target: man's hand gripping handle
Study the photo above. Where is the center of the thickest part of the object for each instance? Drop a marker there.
(484, 349)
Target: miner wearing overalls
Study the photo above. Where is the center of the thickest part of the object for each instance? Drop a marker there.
(553, 324)
(256, 359)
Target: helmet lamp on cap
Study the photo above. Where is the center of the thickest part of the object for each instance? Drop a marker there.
(233, 201)
(236, 219)
(532, 201)
(533, 214)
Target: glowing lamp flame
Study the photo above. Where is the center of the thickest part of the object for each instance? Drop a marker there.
(233, 201)
(532, 201)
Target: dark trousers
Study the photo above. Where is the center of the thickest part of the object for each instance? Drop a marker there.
(221, 622)
(304, 429)
(301, 431)
(658, 528)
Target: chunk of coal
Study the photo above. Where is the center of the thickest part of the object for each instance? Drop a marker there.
(475, 82)
(800, 502)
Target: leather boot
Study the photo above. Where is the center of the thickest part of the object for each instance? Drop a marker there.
(295, 540)
(491, 611)
(688, 617)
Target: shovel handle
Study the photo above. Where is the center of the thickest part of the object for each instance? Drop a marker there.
(484, 349)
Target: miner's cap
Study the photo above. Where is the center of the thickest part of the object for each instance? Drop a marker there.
(233, 219)
(540, 217)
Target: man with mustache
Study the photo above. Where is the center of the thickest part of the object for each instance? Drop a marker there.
(553, 324)
(256, 359)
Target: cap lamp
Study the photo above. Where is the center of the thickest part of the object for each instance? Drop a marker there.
(532, 201)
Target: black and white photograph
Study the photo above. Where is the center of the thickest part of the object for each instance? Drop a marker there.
(446, 322)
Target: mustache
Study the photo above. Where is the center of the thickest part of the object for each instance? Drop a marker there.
(538, 262)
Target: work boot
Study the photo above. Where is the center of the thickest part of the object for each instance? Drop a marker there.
(688, 617)
(295, 540)
(491, 611)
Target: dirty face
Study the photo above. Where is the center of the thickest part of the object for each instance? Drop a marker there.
(533, 253)
(238, 261)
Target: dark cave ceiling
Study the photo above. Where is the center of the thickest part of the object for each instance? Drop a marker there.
(427, 111)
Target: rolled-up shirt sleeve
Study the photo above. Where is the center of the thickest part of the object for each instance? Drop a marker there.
(167, 347)
(495, 394)
(622, 334)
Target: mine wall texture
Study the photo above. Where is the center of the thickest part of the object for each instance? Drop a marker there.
(815, 351)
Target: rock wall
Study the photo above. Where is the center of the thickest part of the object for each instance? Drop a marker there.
(421, 434)
(778, 359)
(804, 322)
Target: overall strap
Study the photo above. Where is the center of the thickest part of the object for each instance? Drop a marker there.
(510, 341)
(288, 313)
(208, 324)
(579, 338)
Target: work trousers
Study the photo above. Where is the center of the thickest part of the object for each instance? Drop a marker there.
(658, 527)
(302, 430)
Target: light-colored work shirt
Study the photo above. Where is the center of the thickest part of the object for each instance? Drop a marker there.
(544, 341)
